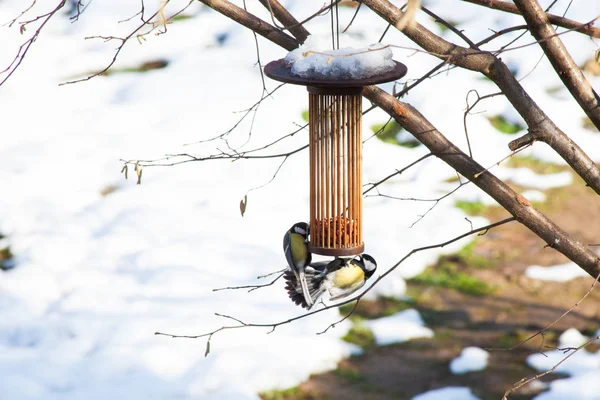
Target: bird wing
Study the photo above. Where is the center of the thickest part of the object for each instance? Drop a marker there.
(314, 275)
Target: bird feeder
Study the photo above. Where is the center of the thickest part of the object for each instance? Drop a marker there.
(335, 152)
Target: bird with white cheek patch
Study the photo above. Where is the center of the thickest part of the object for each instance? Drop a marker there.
(295, 247)
(340, 278)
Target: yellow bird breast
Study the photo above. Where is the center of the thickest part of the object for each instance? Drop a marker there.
(298, 248)
(348, 277)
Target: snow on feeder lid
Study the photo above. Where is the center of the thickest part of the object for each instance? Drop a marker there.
(335, 81)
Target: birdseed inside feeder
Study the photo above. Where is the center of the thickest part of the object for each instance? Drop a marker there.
(335, 81)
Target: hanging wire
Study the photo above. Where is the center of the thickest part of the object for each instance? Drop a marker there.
(332, 28)
(337, 24)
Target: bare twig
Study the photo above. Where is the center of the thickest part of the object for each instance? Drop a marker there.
(424, 131)
(564, 65)
(24, 48)
(525, 381)
(564, 314)
(540, 125)
(586, 29)
(274, 325)
(251, 287)
(468, 112)
(398, 172)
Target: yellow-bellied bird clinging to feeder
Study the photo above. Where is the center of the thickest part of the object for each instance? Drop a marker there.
(295, 247)
(340, 277)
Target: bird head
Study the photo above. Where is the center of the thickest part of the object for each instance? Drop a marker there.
(301, 228)
(368, 264)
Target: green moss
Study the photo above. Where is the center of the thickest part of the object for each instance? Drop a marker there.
(290, 393)
(391, 132)
(181, 17)
(144, 67)
(360, 335)
(468, 256)
(305, 115)
(470, 207)
(446, 275)
(504, 126)
(370, 309)
(537, 166)
(350, 374)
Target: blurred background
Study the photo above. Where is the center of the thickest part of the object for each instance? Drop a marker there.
(92, 264)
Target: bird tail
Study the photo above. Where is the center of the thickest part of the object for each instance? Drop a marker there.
(311, 290)
(305, 290)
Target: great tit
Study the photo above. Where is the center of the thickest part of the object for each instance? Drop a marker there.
(295, 247)
(340, 277)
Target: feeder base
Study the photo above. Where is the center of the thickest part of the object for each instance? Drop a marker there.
(330, 251)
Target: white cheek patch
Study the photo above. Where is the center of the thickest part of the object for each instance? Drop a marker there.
(301, 231)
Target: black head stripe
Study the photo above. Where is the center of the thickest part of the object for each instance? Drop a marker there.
(301, 228)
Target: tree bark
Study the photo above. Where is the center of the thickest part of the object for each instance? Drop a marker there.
(586, 28)
(561, 60)
(541, 127)
(426, 133)
(287, 19)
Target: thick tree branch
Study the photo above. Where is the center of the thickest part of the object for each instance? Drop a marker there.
(541, 127)
(586, 29)
(517, 205)
(289, 22)
(542, 30)
(253, 23)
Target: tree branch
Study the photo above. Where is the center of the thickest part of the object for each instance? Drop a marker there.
(273, 325)
(439, 145)
(253, 23)
(514, 203)
(288, 21)
(586, 29)
(561, 60)
(541, 127)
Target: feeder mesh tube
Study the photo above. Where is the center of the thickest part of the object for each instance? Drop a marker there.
(335, 173)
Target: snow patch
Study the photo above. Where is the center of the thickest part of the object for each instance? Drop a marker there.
(447, 393)
(399, 327)
(557, 273)
(528, 178)
(534, 195)
(470, 359)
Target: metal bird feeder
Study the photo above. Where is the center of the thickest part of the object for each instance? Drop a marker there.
(335, 151)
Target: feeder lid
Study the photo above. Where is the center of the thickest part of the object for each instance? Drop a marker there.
(280, 70)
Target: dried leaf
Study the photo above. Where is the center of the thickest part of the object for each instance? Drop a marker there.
(124, 170)
(408, 16)
(597, 56)
(23, 29)
(243, 203)
(139, 181)
(207, 348)
(329, 60)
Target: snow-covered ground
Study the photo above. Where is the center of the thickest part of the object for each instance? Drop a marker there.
(96, 275)
(582, 366)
